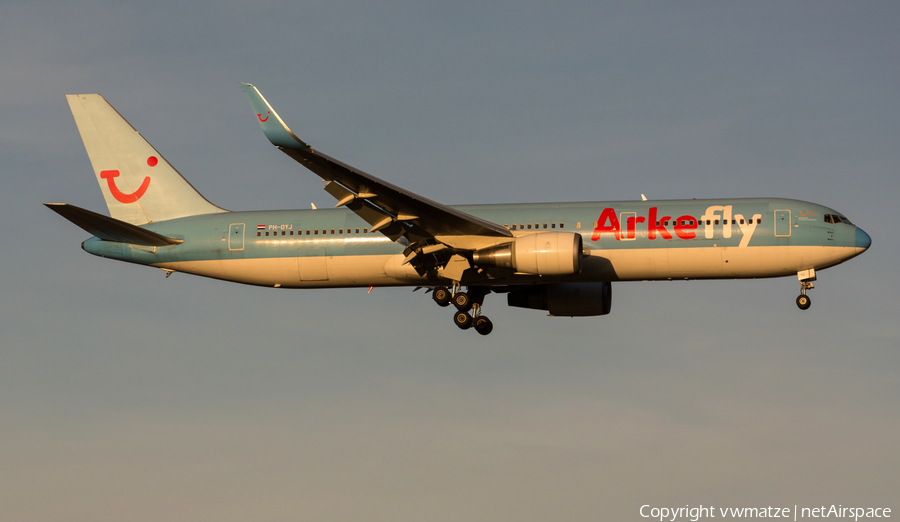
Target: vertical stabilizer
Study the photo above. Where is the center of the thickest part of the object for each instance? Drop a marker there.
(138, 184)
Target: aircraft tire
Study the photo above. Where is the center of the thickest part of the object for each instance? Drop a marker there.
(441, 296)
(462, 302)
(803, 302)
(483, 325)
(463, 320)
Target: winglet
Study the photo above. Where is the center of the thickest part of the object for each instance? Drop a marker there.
(272, 125)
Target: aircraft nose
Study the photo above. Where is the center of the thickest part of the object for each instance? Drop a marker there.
(863, 240)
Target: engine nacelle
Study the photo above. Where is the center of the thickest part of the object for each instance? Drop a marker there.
(544, 253)
(565, 299)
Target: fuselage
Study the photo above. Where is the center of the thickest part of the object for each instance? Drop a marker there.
(623, 241)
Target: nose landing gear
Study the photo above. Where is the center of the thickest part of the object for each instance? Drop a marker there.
(806, 278)
(803, 301)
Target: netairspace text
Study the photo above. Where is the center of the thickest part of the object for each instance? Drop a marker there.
(695, 513)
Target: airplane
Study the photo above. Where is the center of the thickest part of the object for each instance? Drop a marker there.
(558, 257)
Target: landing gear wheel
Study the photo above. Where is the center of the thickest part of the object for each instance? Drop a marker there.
(462, 302)
(483, 325)
(463, 320)
(803, 301)
(441, 296)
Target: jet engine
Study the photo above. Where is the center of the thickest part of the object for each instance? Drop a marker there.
(565, 299)
(545, 253)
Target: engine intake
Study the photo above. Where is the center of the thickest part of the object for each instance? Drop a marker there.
(545, 253)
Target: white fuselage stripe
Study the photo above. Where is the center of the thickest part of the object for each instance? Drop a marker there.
(600, 265)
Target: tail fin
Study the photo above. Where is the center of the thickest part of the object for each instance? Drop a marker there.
(138, 184)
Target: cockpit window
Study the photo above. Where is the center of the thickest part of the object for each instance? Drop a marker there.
(835, 218)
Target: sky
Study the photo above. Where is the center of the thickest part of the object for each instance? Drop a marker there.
(128, 396)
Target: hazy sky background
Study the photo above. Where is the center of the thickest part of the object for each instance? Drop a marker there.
(128, 396)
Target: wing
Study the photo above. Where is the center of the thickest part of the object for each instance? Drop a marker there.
(388, 208)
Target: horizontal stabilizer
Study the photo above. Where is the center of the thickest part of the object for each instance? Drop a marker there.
(111, 229)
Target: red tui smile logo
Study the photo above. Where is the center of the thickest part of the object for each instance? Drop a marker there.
(110, 175)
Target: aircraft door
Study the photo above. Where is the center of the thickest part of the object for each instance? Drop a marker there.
(236, 236)
(627, 221)
(312, 264)
(782, 223)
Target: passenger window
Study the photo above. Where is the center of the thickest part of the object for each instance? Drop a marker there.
(758, 221)
(259, 234)
(514, 226)
(307, 231)
(267, 233)
(283, 233)
(552, 225)
(529, 226)
(717, 222)
(594, 224)
(521, 226)
(316, 232)
(562, 225)
(578, 224)
(332, 231)
(742, 221)
(545, 225)
(340, 231)
(365, 231)
(357, 231)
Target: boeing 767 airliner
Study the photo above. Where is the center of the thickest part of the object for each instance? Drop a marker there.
(558, 257)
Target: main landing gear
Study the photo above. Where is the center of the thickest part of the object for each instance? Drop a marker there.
(464, 303)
